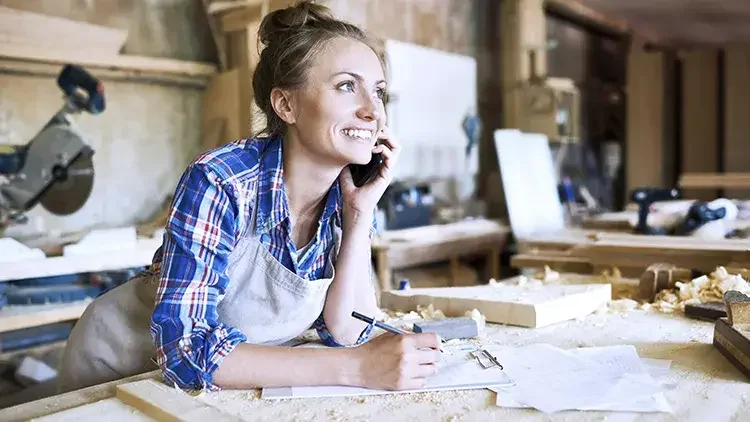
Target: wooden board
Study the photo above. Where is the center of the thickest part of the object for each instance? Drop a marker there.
(733, 343)
(699, 117)
(646, 146)
(737, 114)
(529, 305)
(164, 403)
(115, 410)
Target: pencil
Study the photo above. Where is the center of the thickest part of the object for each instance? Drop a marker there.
(378, 324)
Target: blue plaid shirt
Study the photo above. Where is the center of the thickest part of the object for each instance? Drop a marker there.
(211, 210)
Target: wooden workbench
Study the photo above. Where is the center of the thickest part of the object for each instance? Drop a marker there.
(398, 249)
(590, 252)
(705, 385)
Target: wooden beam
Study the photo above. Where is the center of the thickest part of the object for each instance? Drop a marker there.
(523, 29)
(647, 148)
(699, 117)
(736, 150)
(583, 13)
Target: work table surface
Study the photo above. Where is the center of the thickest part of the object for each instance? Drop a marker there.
(706, 386)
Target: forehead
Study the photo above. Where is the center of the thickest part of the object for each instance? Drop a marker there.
(345, 54)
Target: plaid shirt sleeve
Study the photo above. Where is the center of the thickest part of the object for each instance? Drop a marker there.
(200, 233)
(320, 325)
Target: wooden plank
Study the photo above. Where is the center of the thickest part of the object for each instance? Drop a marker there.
(122, 61)
(61, 402)
(737, 115)
(115, 410)
(16, 317)
(713, 181)
(507, 303)
(699, 117)
(645, 126)
(163, 403)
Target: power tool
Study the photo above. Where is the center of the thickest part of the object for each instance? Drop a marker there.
(645, 197)
(55, 168)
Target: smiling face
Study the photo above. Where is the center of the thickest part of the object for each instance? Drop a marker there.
(337, 114)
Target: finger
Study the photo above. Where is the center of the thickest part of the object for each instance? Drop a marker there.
(386, 138)
(428, 356)
(423, 371)
(426, 340)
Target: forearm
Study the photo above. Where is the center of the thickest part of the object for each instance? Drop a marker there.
(256, 366)
(351, 289)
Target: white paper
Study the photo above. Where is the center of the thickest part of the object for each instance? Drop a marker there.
(551, 379)
(457, 371)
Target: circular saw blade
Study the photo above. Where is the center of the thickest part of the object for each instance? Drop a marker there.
(68, 195)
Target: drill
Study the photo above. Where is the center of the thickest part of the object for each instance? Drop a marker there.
(645, 197)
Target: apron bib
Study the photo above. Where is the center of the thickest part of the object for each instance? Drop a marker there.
(264, 300)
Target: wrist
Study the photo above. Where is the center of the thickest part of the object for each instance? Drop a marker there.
(349, 367)
(357, 220)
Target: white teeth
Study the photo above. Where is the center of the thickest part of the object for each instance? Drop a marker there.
(356, 133)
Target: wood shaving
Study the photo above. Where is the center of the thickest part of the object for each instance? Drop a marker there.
(702, 289)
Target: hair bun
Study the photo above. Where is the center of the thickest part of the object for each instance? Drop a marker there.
(279, 24)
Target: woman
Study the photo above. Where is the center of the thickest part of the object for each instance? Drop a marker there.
(268, 237)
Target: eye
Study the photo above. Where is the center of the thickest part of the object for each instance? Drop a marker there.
(347, 86)
(381, 93)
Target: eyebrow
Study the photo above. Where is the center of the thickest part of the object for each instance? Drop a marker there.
(355, 76)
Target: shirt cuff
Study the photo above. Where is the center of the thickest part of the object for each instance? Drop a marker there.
(328, 340)
(190, 362)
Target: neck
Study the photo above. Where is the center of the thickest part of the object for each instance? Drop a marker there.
(306, 180)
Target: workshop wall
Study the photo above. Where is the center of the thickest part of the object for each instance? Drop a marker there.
(447, 25)
(142, 143)
(688, 111)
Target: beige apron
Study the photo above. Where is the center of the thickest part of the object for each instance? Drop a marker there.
(264, 300)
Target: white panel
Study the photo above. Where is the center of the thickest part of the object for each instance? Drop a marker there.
(529, 183)
(433, 91)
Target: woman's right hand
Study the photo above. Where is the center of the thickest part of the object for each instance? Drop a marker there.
(398, 361)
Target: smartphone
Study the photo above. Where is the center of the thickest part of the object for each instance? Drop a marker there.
(363, 173)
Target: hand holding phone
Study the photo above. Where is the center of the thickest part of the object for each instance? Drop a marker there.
(363, 173)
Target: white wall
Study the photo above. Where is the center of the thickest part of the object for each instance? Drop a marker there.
(433, 90)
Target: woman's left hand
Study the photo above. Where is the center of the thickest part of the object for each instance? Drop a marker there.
(361, 201)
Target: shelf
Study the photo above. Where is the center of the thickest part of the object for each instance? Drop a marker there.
(122, 62)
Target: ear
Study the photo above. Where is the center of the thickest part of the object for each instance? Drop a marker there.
(282, 102)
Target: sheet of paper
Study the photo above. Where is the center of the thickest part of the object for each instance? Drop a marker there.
(657, 368)
(551, 379)
(457, 371)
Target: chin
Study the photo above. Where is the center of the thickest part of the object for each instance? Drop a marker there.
(356, 152)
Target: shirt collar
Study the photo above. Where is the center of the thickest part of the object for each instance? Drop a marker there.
(272, 205)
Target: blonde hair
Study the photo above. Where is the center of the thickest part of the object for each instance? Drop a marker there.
(291, 38)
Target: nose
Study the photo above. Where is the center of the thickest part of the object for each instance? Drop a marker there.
(369, 109)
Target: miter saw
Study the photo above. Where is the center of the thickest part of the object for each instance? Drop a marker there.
(55, 168)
